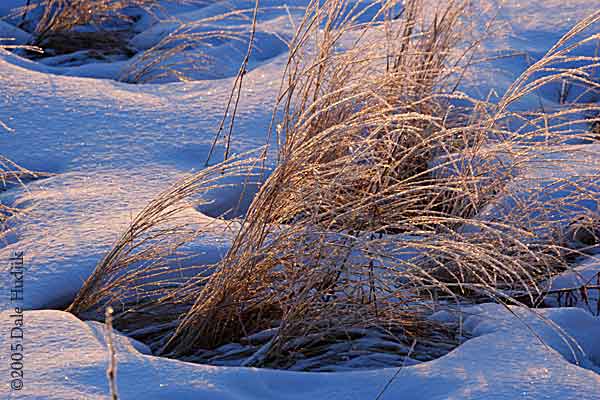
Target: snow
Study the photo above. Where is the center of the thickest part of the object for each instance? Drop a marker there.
(586, 273)
(526, 31)
(67, 358)
(571, 332)
(217, 54)
(11, 35)
(111, 147)
(72, 220)
(551, 180)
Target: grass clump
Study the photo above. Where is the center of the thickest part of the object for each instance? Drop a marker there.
(58, 17)
(101, 27)
(394, 195)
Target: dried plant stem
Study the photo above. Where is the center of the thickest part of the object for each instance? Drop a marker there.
(111, 370)
(236, 91)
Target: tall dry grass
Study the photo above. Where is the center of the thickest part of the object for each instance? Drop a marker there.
(388, 201)
(360, 126)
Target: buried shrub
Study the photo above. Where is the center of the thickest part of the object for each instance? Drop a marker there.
(387, 201)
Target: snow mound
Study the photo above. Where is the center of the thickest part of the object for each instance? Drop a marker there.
(213, 39)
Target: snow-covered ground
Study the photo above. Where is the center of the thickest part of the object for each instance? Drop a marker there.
(67, 358)
(113, 146)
